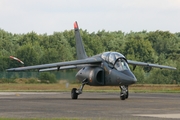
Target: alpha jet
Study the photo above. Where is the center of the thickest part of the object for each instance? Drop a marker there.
(106, 69)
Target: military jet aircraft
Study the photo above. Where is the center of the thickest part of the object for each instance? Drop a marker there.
(106, 69)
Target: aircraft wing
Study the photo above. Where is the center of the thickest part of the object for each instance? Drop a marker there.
(59, 65)
(135, 63)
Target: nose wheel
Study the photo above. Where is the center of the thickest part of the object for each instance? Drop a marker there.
(124, 94)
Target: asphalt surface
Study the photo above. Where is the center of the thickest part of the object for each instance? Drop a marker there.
(139, 106)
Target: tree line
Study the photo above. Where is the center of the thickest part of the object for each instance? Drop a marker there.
(161, 47)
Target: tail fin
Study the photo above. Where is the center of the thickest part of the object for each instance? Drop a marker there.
(81, 54)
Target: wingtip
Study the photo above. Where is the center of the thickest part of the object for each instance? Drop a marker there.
(75, 25)
(9, 70)
(175, 68)
(11, 57)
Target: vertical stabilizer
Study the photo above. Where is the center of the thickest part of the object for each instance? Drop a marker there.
(81, 54)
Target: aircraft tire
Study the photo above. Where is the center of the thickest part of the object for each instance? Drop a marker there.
(74, 95)
(122, 96)
(127, 95)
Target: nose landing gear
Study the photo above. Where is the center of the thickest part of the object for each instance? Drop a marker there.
(124, 94)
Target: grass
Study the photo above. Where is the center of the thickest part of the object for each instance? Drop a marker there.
(37, 119)
(62, 87)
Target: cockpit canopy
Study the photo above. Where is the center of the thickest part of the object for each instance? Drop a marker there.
(116, 60)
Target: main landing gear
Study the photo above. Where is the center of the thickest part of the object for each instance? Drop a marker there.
(124, 92)
(75, 92)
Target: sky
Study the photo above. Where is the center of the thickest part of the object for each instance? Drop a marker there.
(49, 16)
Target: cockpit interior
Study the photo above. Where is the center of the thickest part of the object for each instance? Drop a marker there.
(115, 60)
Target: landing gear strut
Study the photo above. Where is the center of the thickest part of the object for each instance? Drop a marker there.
(75, 92)
(124, 94)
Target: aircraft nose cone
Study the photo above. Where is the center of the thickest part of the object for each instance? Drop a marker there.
(133, 79)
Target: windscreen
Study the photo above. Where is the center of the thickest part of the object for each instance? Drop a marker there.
(115, 59)
(121, 65)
